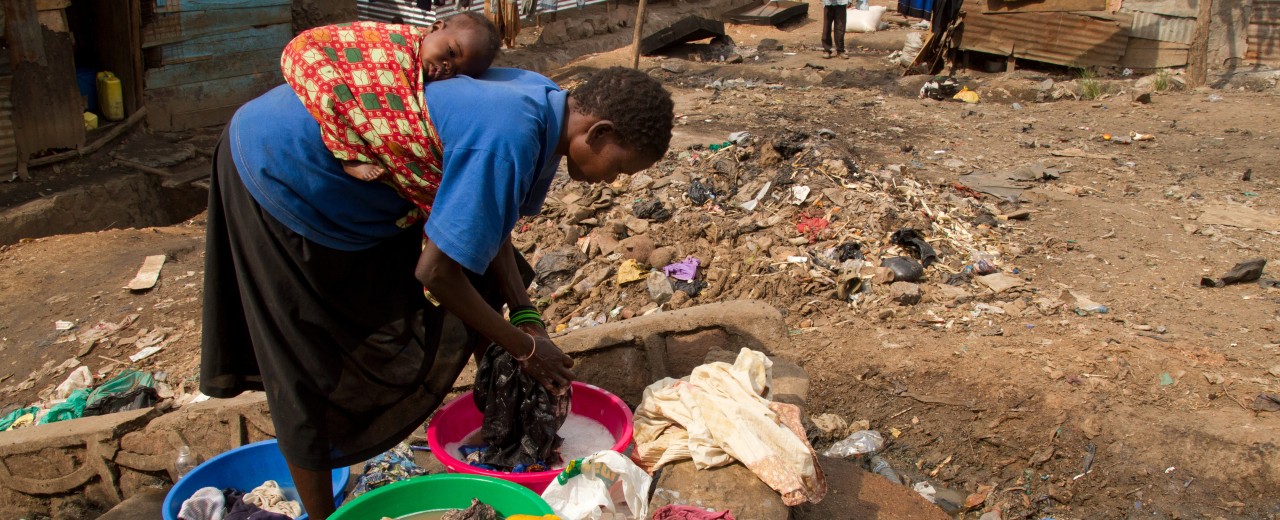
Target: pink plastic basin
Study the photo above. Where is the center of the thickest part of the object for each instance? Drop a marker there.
(454, 421)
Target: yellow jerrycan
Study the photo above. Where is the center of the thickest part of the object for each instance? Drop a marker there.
(110, 96)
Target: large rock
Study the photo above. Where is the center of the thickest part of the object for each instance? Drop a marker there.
(905, 293)
(854, 493)
(732, 487)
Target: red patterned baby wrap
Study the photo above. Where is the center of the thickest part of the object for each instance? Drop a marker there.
(363, 83)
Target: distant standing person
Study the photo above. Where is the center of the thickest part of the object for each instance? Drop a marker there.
(833, 20)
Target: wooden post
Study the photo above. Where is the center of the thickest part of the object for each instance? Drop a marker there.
(1198, 62)
(635, 40)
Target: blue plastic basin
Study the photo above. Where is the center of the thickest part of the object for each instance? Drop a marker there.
(243, 468)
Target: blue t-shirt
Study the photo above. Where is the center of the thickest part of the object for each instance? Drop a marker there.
(499, 133)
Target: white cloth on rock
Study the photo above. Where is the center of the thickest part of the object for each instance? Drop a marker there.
(722, 412)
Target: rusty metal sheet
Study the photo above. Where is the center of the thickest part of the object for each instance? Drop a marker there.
(1179, 8)
(1162, 28)
(1264, 32)
(1071, 39)
(8, 142)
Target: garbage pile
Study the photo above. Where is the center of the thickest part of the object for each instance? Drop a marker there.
(794, 219)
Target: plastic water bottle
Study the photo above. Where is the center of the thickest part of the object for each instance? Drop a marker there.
(881, 467)
(185, 463)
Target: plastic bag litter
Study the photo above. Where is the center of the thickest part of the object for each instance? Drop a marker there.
(521, 417)
(80, 379)
(130, 390)
(604, 485)
(857, 443)
(71, 408)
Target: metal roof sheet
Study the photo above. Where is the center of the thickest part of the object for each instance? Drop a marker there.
(1163, 28)
(1071, 39)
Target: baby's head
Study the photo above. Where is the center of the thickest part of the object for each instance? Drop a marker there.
(466, 43)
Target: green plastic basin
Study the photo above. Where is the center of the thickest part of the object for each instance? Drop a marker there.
(443, 491)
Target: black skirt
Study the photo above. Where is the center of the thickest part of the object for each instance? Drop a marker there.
(351, 355)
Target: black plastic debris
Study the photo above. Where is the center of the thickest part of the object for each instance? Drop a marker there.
(1246, 271)
(651, 209)
(693, 288)
(521, 417)
(904, 269)
(961, 278)
(912, 241)
(849, 251)
(700, 193)
(791, 144)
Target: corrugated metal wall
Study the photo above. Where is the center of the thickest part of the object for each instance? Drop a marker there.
(407, 11)
(1264, 32)
(1068, 39)
(204, 58)
(8, 144)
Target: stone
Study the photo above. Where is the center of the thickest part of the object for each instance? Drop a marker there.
(554, 33)
(732, 487)
(147, 504)
(852, 492)
(636, 225)
(556, 267)
(947, 294)
(636, 248)
(733, 58)
(1000, 282)
(675, 66)
(662, 257)
(679, 299)
(685, 351)
(904, 293)
(660, 289)
(790, 383)
(641, 182)
(769, 44)
(831, 427)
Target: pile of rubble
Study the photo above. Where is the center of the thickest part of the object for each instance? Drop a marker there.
(791, 219)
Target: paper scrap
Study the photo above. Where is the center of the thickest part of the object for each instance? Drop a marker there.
(144, 353)
(148, 274)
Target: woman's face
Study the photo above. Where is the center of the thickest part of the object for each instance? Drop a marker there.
(453, 49)
(600, 158)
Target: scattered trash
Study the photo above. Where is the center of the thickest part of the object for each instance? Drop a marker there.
(63, 325)
(676, 512)
(1017, 106)
(751, 204)
(1166, 379)
(940, 88)
(80, 379)
(684, 270)
(148, 274)
(976, 499)
(605, 482)
(144, 353)
(849, 251)
(1214, 98)
(630, 271)
(799, 194)
(700, 193)
(926, 490)
(912, 241)
(1091, 451)
(966, 95)
(1141, 137)
(904, 269)
(1247, 271)
(1085, 306)
(651, 210)
(740, 138)
(812, 227)
(881, 467)
(857, 443)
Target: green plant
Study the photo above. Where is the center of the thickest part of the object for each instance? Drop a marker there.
(1161, 82)
(1090, 88)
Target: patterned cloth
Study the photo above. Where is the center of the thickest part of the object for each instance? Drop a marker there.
(392, 466)
(363, 82)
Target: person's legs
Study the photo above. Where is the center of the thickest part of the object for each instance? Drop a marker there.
(841, 17)
(315, 488)
(826, 28)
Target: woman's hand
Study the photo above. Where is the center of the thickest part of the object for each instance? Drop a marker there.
(548, 366)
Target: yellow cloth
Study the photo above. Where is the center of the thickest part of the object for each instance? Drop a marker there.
(720, 413)
(630, 271)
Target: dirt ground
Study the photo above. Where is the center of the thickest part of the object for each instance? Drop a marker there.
(1146, 410)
